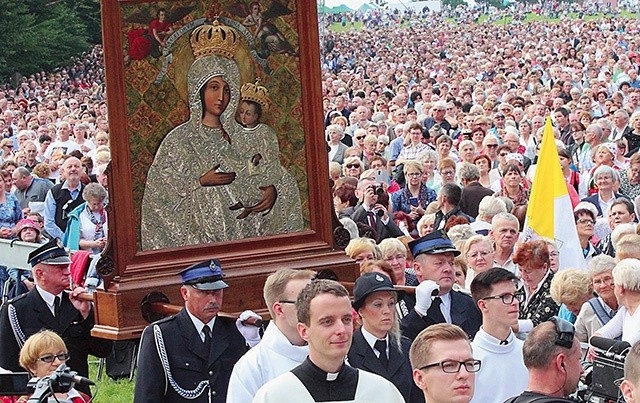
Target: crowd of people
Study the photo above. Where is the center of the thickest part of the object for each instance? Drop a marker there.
(55, 149)
(438, 138)
(433, 132)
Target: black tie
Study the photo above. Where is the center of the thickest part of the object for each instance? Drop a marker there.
(56, 307)
(207, 337)
(434, 311)
(381, 346)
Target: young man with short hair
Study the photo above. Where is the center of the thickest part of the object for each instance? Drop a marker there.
(325, 322)
(443, 364)
(503, 373)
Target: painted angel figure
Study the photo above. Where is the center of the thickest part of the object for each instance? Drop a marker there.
(269, 38)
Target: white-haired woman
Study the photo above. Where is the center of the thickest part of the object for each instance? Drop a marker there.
(599, 310)
(626, 287)
(335, 134)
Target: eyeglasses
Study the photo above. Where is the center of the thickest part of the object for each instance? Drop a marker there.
(448, 172)
(353, 166)
(360, 137)
(606, 281)
(503, 154)
(453, 367)
(492, 145)
(49, 358)
(507, 299)
(585, 221)
(395, 257)
(414, 174)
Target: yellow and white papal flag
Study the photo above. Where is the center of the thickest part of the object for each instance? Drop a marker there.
(550, 214)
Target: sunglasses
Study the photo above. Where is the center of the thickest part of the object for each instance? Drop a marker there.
(49, 358)
(492, 146)
(503, 154)
(360, 137)
(353, 166)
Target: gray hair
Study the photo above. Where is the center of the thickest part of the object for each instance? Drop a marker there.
(622, 230)
(627, 274)
(94, 191)
(597, 129)
(350, 226)
(469, 172)
(428, 154)
(460, 232)
(490, 206)
(337, 128)
(601, 264)
(604, 169)
(505, 217)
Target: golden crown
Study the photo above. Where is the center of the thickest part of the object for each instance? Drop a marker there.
(214, 39)
(256, 93)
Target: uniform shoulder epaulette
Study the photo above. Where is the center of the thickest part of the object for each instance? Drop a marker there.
(164, 320)
(18, 298)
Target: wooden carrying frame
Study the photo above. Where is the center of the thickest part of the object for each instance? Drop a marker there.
(131, 273)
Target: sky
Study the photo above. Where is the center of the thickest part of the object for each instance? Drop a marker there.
(352, 4)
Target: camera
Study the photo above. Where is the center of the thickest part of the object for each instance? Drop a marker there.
(602, 377)
(378, 190)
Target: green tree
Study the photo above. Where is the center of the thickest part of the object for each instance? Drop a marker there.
(453, 3)
(39, 35)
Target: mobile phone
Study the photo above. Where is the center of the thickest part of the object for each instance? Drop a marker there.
(413, 201)
(14, 384)
(382, 176)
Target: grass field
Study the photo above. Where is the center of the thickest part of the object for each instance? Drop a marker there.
(531, 17)
(109, 391)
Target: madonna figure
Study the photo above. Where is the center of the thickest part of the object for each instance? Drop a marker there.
(213, 180)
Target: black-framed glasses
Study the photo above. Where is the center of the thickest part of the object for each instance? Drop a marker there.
(453, 367)
(49, 358)
(507, 299)
(353, 166)
(360, 137)
(564, 332)
(286, 301)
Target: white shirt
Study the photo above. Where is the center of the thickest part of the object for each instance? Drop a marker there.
(274, 356)
(49, 298)
(623, 324)
(200, 325)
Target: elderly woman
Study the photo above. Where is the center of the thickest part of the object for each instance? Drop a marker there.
(604, 155)
(554, 256)
(479, 255)
(513, 186)
(353, 167)
(395, 252)
(362, 250)
(87, 226)
(605, 179)
(585, 218)
(378, 346)
(414, 198)
(571, 289)
(429, 159)
(630, 178)
(467, 151)
(599, 310)
(532, 258)
(337, 148)
(41, 355)
(425, 224)
(626, 287)
(378, 266)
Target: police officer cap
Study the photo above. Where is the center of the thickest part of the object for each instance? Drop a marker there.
(53, 252)
(204, 276)
(367, 284)
(433, 243)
